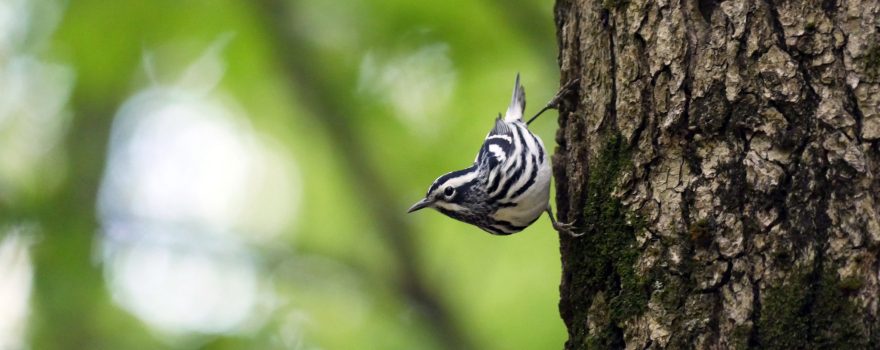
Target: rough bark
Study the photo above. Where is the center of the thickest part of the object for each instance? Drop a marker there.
(723, 158)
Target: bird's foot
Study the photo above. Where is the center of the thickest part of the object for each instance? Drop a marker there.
(568, 87)
(567, 228)
(554, 103)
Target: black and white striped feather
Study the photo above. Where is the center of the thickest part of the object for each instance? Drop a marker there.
(508, 186)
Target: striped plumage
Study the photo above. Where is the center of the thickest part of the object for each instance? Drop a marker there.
(507, 187)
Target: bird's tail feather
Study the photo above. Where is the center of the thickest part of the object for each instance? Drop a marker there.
(517, 103)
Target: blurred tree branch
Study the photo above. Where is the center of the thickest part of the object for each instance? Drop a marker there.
(319, 96)
(71, 300)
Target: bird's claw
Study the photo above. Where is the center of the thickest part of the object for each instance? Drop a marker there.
(567, 228)
(554, 103)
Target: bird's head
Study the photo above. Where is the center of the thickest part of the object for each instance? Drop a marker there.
(452, 194)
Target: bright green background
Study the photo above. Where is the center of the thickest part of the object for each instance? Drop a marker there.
(501, 292)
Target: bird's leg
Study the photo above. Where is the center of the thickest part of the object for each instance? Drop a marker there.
(562, 227)
(554, 102)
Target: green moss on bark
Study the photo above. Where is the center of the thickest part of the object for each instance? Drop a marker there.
(872, 61)
(810, 311)
(851, 284)
(610, 242)
(606, 338)
(740, 338)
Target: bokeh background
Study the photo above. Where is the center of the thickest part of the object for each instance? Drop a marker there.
(228, 174)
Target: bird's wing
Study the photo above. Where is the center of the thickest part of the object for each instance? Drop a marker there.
(517, 103)
(498, 146)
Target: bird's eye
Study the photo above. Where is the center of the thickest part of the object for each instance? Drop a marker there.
(449, 191)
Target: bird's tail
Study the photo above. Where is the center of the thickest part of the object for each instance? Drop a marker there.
(517, 103)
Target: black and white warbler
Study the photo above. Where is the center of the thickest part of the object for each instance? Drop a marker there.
(508, 186)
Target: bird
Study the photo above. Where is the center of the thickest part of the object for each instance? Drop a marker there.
(507, 188)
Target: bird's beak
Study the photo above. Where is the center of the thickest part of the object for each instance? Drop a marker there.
(424, 203)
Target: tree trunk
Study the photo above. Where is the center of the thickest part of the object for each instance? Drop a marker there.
(722, 158)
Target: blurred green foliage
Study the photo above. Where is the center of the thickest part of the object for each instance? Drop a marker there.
(334, 268)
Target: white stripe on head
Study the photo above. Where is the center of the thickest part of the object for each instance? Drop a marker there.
(455, 181)
(503, 137)
(458, 181)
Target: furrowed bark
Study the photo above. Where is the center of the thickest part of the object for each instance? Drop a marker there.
(723, 158)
